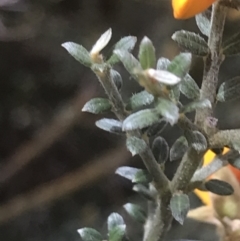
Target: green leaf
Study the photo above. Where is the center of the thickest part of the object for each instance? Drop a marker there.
(179, 205)
(199, 104)
(175, 93)
(146, 54)
(157, 128)
(136, 145)
(203, 22)
(219, 187)
(136, 212)
(144, 191)
(191, 42)
(180, 65)
(163, 63)
(126, 43)
(110, 125)
(130, 63)
(168, 110)
(102, 42)
(139, 100)
(160, 149)
(196, 140)
(78, 52)
(97, 106)
(140, 119)
(90, 234)
(232, 45)
(134, 174)
(189, 87)
(116, 78)
(178, 149)
(229, 90)
(116, 227)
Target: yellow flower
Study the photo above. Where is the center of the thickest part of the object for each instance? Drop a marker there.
(183, 9)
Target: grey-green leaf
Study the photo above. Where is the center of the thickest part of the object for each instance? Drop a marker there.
(97, 106)
(136, 212)
(178, 149)
(232, 45)
(134, 174)
(168, 110)
(136, 145)
(179, 205)
(160, 149)
(90, 234)
(130, 63)
(116, 78)
(114, 220)
(196, 140)
(191, 42)
(139, 100)
(229, 90)
(203, 22)
(110, 125)
(157, 128)
(219, 187)
(198, 104)
(163, 63)
(126, 43)
(140, 120)
(180, 65)
(144, 191)
(146, 54)
(189, 87)
(78, 52)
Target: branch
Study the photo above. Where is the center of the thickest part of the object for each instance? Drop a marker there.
(229, 138)
(211, 65)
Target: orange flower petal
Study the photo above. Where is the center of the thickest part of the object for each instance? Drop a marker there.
(183, 9)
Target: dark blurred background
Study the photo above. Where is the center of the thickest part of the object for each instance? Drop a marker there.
(56, 167)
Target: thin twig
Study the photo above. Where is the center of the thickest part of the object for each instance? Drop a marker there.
(211, 65)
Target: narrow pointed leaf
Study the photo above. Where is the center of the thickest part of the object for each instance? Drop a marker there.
(199, 104)
(229, 90)
(90, 234)
(78, 52)
(160, 149)
(178, 149)
(191, 42)
(219, 187)
(116, 78)
(139, 100)
(136, 212)
(189, 87)
(126, 43)
(168, 110)
(146, 54)
(180, 65)
(136, 145)
(179, 205)
(196, 140)
(97, 106)
(163, 63)
(110, 125)
(102, 42)
(203, 22)
(130, 63)
(140, 120)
